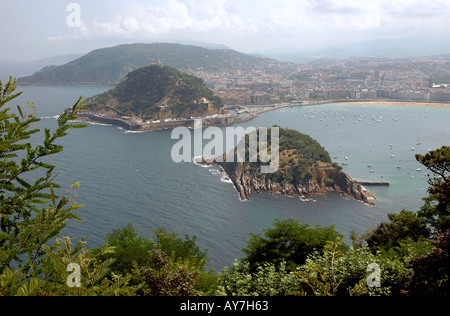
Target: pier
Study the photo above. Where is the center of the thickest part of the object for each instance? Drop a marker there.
(375, 183)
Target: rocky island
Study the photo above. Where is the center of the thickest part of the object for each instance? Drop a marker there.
(305, 170)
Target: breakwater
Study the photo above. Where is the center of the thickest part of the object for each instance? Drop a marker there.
(155, 126)
(375, 183)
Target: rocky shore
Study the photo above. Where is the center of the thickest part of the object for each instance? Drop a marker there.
(247, 181)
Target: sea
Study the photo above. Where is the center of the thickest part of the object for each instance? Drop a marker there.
(130, 177)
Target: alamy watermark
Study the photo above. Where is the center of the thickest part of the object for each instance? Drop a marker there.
(221, 146)
(74, 279)
(74, 18)
(374, 279)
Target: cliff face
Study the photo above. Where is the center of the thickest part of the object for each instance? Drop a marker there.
(247, 181)
(348, 187)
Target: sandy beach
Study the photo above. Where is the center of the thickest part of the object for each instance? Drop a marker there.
(396, 103)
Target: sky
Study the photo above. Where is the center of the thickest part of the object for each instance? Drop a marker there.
(37, 29)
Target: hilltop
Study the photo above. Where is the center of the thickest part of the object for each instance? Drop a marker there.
(155, 93)
(109, 66)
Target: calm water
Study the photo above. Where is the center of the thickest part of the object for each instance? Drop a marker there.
(129, 177)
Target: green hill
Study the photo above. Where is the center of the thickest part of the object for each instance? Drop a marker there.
(111, 65)
(300, 158)
(157, 92)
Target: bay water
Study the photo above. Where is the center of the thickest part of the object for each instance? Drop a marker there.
(130, 177)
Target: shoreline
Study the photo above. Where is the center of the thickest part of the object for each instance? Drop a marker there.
(226, 121)
(384, 102)
(244, 184)
(136, 127)
(368, 102)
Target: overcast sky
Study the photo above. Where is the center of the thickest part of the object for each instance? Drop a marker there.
(35, 29)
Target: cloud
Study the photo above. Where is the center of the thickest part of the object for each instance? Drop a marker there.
(145, 21)
(250, 22)
(424, 9)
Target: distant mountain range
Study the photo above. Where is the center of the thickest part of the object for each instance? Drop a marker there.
(25, 68)
(110, 65)
(410, 47)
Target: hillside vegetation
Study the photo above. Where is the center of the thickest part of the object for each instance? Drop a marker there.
(111, 65)
(301, 157)
(158, 92)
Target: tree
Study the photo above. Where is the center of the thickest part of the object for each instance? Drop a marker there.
(180, 249)
(166, 278)
(337, 273)
(403, 226)
(27, 182)
(288, 241)
(157, 264)
(332, 271)
(95, 276)
(432, 272)
(34, 259)
(130, 250)
(437, 206)
(268, 280)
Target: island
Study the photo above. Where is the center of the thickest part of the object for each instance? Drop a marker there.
(305, 169)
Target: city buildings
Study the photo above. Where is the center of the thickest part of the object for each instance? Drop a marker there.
(321, 80)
